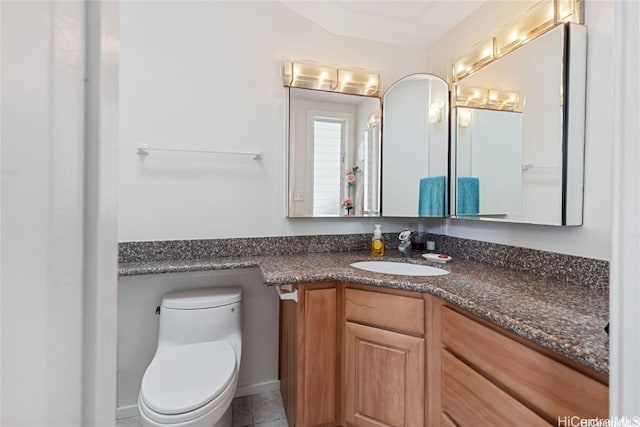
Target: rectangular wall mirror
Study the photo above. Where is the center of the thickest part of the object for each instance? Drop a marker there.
(334, 154)
(518, 134)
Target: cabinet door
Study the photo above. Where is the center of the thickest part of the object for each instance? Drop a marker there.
(308, 356)
(384, 374)
(319, 367)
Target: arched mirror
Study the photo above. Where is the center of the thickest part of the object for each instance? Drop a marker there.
(415, 147)
(334, 154)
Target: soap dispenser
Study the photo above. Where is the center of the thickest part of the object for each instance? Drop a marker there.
(377, 242)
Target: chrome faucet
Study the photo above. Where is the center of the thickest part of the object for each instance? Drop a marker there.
(405, 244)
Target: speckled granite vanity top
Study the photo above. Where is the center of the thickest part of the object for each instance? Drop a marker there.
(565, 318)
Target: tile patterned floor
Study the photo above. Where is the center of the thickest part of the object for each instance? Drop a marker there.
(257, 410)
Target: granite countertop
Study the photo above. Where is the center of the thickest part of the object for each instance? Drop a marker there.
(568, 319)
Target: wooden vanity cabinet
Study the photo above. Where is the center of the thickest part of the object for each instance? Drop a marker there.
(357, 355)
(480, 374)
(384, 358)
(310, 355)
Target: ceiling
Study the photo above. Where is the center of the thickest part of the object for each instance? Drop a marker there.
(407, 23)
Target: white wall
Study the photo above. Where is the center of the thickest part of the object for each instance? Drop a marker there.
(207, 75)
(36, 123)
(592, 239)
(405, 148)
(50, 374)
(493, 138)
(138, 297)
(438, 132)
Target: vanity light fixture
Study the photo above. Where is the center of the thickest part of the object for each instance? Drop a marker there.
(569, 11)
(466, 96)
(539, 19)
(358, 82)
(503, 100)
(475, 60)
(311, 75)
(490, 99)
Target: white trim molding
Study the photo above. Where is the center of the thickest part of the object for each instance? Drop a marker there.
(625, 251)
(100, 293)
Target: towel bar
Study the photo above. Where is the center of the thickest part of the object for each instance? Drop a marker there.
(143, 150)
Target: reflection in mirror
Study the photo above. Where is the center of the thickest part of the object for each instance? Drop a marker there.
(415, 147)
(334, 154)
(525, 165)
(486, 138)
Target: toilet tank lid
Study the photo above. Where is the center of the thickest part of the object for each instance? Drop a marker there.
(201, 298)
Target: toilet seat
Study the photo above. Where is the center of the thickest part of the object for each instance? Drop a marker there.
(204, 416)
(185, 382)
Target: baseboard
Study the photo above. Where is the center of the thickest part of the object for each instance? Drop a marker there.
(132, 410)
(127, 411)
(246, 390)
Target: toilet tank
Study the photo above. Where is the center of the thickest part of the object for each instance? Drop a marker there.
(199, 315)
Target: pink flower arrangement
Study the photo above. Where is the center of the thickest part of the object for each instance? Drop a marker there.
(351, 174)
(351, 178)
(347, 204)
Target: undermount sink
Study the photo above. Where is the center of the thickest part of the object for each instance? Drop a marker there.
(400, 268)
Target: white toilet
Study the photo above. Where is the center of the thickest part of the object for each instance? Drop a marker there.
(193, 375)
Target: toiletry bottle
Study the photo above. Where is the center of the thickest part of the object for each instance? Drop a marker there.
(377, 242)
(431, 246)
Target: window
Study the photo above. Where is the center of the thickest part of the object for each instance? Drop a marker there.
(370, 159)
(328, 143)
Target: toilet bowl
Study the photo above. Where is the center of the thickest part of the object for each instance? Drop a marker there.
(192, 378)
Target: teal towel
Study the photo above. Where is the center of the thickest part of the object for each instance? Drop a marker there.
(468, 195)
(431, 200)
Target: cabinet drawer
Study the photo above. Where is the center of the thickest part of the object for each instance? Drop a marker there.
(546, 385)
(387, 311)
(469, 399)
